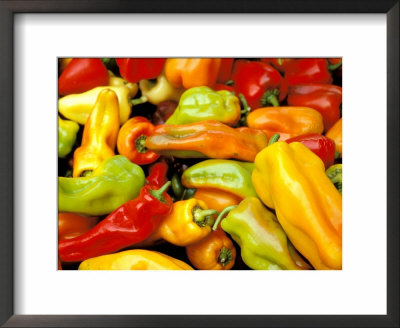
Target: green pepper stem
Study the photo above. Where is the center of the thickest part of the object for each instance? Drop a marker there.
(244, 102)
(201, 217)
(274, 139)
(140, 144)
(270, 97)
(230, 82)
(225, 256)
(138, 101)
(333, 67)
(279, 61)
(158, 194)
(337, 154)
(222, 214)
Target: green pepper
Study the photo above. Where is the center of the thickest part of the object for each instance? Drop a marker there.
(111, 184)
(67, 131)
(263, 242)
(202, 104)
(334, 173)
(228, 175)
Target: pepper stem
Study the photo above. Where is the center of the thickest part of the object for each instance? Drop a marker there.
(274, 139)
(225, 256)
(244, 102)
(279, 61)
(138, 101)
(221, 215)
(140, 144)
(202, 217)
(230, 82)
(333, 67)
(270, 97)
(158, 194)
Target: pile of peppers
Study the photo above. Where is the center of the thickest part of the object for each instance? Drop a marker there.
(200, 164)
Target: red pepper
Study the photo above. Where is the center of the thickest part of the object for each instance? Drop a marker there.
(129, 224)
(157, 174)
(131, 141)
(225, 70)
(308, 70)
(325, 98)
(82, 74)
(281, 64)
(320, 145)
(135, 69)
(259, 83)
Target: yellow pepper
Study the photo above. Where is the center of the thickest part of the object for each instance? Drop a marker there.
(115, 81)
(99, 134)
(189, 222)
(77, 107)
(159, 91)
(136, 259)
(291, 179)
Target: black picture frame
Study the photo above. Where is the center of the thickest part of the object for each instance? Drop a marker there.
(7, 11)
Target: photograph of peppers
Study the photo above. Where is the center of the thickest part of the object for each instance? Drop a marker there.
(200, 164)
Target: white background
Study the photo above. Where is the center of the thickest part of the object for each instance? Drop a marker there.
(360, 288)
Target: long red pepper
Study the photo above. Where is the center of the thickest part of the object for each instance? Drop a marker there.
(157, 174)
(129, 224)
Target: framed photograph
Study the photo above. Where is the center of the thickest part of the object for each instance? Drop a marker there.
(356, 42)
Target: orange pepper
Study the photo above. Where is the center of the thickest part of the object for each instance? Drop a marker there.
(335, 133)
(216, 199)
(192, 72)
(287, 121)
(207, 139)
(131, 141)
(215, 252)
(71, 225)
(99, 134)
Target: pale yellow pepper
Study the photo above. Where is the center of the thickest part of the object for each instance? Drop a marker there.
(159, 91)
(136, 259)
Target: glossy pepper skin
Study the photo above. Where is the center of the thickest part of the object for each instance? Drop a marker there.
(335, 133)
(320, 145)
(202, 104)
(225, 70)
(160, 90)
(77, 107)
(308, 70)
(207, 139)
(82, 74)
(67, 131)
(291, 179)
(116, 81)
(216, 198)
(281, 64)
(131, 141)
(287, 121)
(135, 259)
(259, 83)
(263, 242)
(71, 225)
(113, 183)
(189, 222)
(226, 175)
(136, 69)
(215, 252)
(99, 134)
(129, 224)
(324, 98)
(192, 72)
(157, 174)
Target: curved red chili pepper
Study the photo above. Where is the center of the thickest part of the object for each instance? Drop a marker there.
(129, 224)
(157, 174)
(135, 69)
(225, 70)
(259, 83)
(324, 98)
(320, 145)
(82, 74)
